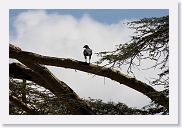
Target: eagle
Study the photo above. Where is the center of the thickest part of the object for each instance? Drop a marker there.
(87, 52)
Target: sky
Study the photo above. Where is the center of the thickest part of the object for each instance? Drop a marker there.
(63, 33)
(101, 15)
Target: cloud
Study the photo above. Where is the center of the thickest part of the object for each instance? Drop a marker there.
(64, 36)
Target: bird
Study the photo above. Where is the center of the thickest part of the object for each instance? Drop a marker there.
(87, 52)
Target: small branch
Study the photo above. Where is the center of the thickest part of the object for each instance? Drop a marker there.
(23, 91)
(23, 106)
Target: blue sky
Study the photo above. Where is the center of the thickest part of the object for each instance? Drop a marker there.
(107, 16)
(104, 15)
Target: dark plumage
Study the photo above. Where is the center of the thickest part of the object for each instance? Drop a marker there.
(87, 52)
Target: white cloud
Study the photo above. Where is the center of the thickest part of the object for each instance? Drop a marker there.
(64, 36)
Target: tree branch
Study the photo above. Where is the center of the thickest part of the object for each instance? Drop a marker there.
(23, 106)
(44, 78)
(19, 71)
(115, 75)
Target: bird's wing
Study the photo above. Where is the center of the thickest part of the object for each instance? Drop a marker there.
(89, 51)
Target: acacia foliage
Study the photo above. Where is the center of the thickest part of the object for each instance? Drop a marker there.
(150, 42)
(44, 102)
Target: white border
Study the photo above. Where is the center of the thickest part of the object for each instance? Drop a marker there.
(172, 118)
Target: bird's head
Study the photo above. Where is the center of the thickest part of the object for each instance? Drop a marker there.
(86, 46)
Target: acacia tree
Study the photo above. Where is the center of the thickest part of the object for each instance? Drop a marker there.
(31, 67)
(150, 43)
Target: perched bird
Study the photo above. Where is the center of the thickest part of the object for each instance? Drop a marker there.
(87, 52)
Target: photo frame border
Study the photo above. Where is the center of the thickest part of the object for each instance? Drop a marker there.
(172, 118)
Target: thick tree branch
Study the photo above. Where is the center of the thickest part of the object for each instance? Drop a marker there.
(19, 71)
(115, 75)
(23, 106)
(48, 80)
